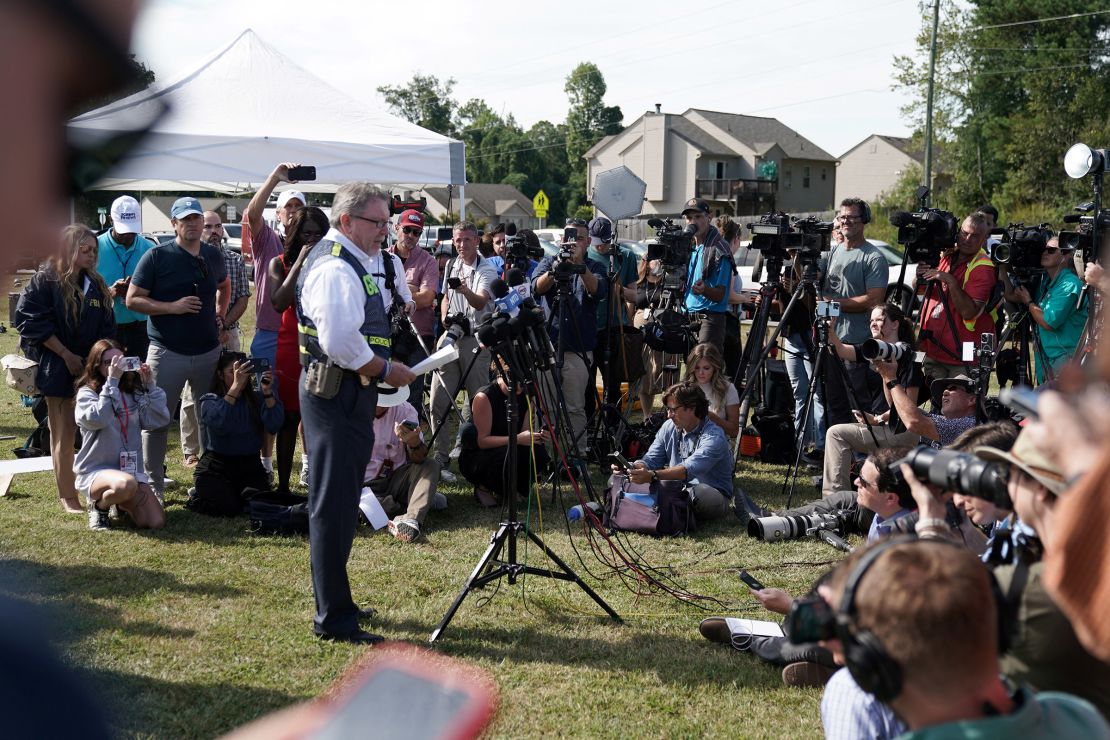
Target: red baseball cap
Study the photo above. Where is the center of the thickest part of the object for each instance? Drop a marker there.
(411, 218)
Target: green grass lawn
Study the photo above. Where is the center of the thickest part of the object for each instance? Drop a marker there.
(197, 629)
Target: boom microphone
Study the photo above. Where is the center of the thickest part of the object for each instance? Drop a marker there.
(901, 218)
(655, 223)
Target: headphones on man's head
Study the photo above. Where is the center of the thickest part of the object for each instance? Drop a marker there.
(872, 668)
(864, 211)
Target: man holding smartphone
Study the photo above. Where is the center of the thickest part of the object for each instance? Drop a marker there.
(120, 249)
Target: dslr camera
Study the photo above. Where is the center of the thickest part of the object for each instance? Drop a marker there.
(959, 472)
(775, 233)
(456, 326)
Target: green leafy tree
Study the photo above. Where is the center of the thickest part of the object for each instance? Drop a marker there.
(588, 120)
(425, 101)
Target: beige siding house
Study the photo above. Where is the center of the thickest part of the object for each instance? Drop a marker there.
(743, 165)
(873, 166)
(490, 202)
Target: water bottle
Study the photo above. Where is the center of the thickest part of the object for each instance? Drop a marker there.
(577, 512)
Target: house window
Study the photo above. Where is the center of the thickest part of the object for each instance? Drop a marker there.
(720, 174)
(787, 176)
(824, 173)
(805, 177)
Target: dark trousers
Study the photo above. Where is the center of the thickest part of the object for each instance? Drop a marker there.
(340, 436)
(134, 339)
(224, 483)
(486, 468)
(838, 403)
(712, 329)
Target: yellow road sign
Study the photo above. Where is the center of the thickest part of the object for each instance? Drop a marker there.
(539, 204)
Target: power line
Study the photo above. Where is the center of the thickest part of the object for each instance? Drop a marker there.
(1040, 20)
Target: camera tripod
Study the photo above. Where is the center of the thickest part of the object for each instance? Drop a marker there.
(491, 567)
(1021, 330)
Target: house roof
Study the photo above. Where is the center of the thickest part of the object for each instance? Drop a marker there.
(493, 199)
(757, 132)
(901, 143)
(699, 137)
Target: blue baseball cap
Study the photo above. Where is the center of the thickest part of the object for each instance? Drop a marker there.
(183, 207)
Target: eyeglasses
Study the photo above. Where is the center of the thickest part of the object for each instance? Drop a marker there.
(576, 222)
(378, 222)
(672, 410)
(861, 481)
(848, 219)
(1051, 250)
(412, 230)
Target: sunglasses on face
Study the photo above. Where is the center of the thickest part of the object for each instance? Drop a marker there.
(412, 230)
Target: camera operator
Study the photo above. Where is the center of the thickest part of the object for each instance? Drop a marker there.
(954, 396)
(1044, 650)
(966, 278)
(917, 624)
(615, 309)
(691, 448)
(882, 426)
(467, 279)
(1056, 310)
(709, 277)
(854, 273)
(571, 276)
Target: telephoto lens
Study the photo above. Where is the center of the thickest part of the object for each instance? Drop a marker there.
(776, 528)
(876, 349)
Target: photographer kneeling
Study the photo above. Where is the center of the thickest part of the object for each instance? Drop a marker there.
(233, 418)
(114, 406)
(690, 448)
(571, 277)
(891, 337)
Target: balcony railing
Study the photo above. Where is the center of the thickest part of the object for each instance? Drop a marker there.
(731, 190)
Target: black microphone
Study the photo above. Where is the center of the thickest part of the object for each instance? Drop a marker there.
(516, 277)
(690, 230)
(510, 229)
(499, 287)
(655, 223)
(901, 218)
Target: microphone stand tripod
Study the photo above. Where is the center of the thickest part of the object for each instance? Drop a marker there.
(491, 567)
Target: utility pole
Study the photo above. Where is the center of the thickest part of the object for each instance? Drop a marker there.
(929, 101)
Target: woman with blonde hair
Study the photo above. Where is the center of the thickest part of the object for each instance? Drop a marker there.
(65, 308)
(706, 367)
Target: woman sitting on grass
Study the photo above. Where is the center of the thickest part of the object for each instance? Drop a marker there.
(706, 367)
(232, 419)
(114, 406)
(483, 456)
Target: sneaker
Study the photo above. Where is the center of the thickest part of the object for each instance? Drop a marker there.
(439, 501)
(304, 474)
(161, 496)
(456, 453)
(805, 675)
(406, 530)
(447, 476)
(98, 518)
(190, 461)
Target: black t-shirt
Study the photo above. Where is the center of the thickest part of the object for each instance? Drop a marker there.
(170, 273)
(908, 375)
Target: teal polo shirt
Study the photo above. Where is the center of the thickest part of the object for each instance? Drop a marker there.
(116, 262)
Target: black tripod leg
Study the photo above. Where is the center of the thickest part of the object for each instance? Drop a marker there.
(567, 574)
(488, 558)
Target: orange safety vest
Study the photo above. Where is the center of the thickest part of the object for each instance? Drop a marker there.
(977, 261)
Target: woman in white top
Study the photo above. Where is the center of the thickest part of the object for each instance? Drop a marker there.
(706, 367)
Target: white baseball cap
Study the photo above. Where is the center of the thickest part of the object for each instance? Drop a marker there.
(127, 216)
(288, 195)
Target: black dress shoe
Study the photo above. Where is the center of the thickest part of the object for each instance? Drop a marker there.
(358, 637)
(367, 613)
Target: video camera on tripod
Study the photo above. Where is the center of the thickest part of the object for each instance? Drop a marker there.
(1021, 248)
(927, 232)
(1082, 238)
(518, 251)
(775, 233)
(673, 244)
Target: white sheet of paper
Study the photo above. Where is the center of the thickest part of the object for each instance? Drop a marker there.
(969, 352)
(754, 627)
(372, 509)
(436, 360)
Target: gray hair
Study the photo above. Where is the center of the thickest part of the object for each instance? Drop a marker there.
(465, 226)
(353, 196)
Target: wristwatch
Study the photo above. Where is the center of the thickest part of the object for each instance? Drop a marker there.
(891, 383)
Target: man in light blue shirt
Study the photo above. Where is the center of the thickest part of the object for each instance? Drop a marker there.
(689, 447)
(121, 247)
(709, 275)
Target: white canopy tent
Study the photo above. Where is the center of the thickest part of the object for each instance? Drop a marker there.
(249, 107)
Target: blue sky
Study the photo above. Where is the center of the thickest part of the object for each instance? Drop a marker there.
(823, 68)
